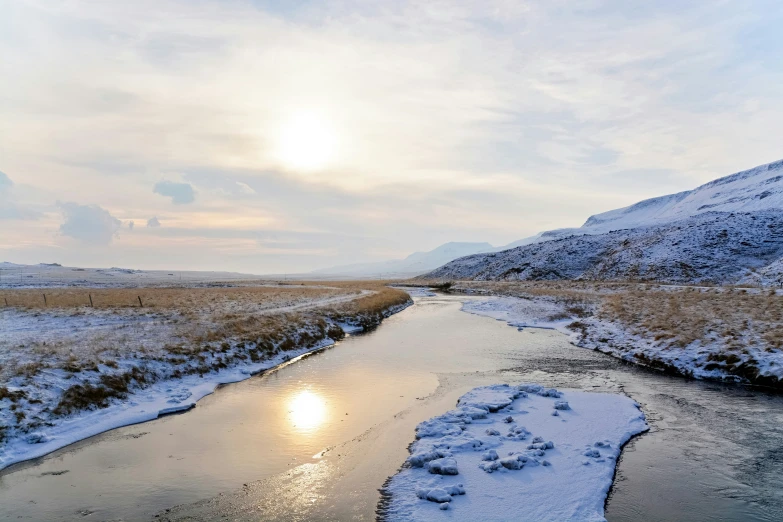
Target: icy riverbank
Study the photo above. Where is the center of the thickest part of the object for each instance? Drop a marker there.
(140, 388)
(524, 313)
(515, 453)
(735, 349)
(161, 398)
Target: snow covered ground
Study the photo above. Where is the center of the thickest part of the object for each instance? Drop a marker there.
(146, 404)
(515, 453)
(524, 313)
(47, 275)
(72, 372)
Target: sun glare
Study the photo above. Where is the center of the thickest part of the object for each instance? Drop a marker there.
(307, 141)
(307, 410)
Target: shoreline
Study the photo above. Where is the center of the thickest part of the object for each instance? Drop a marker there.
(165, 397)
(593, 333)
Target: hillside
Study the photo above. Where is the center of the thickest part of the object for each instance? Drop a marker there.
(726, 231)
(751, 190)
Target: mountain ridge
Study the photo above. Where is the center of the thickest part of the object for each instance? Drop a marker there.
(663, 238)
(414, 264)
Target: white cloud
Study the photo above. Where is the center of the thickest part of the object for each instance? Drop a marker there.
(131, 224)
(88, 223)
(153, 222)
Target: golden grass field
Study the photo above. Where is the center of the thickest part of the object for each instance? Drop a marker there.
(182, 299)
(177, 314)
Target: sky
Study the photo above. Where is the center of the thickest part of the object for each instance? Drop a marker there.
(272, 136)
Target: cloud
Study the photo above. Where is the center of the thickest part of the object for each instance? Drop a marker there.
(180, 193)
(131, 224)
(5, 183)
(153, 222)
(221, 182)
(9, 206)
(244, 188)
(88, 223)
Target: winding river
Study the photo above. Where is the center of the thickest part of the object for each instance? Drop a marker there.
(316, 438)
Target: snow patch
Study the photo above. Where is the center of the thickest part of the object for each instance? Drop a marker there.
(502, 472)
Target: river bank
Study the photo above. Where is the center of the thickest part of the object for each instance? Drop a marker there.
(717, 333)
(154, 367)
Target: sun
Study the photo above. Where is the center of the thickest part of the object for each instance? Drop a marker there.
(307, 141)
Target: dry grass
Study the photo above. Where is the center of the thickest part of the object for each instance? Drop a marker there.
(110, 386)
(106, 351)
(730, 326)
(382, 298)
(183, 299)
(736, 317)
(679, 315)
(74, 337)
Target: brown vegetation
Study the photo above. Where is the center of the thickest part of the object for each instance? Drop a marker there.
(181, 299)
(188, 330)
(728, 326)
(738, 318)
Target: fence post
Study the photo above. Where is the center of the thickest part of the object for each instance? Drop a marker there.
(90, 300)
(140, 303)
(45, 304)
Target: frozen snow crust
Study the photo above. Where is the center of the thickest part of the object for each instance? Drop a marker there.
(515, 453)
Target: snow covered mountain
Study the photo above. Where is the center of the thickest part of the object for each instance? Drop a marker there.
(728, 230)
(747, 191)
(415, 264)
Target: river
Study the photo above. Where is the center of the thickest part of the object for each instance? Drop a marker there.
(316, 438)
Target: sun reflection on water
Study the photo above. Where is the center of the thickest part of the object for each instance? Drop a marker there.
(307, 410)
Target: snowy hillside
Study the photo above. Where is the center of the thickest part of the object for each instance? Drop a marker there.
(415, 264)
(726, 231)
(714, 247)
(756, 189)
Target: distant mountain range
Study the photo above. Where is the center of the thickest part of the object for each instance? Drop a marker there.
(728, 230)
(415, 264)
